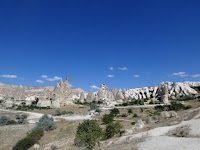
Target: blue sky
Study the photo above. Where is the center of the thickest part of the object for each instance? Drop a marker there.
(145, 42)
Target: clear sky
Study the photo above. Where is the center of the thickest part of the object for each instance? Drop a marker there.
(123, 43)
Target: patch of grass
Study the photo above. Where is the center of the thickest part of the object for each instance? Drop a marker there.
(65, 132)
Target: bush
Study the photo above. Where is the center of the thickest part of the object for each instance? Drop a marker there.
(133, 123)
(4, 120)
(173, 106)
(98, 110)
(124, 115)
(115, 111)
(176, 106)
(130, 111)
(112, 129)
(188, 107)
(29, 141)
(22, 119)
(53, 147)
(89, 133)
(58, 112)
(45, 123)
(107, 118)
(151, 102)
(93, 106)
(31, 107)
(135, 115)
(185, 98)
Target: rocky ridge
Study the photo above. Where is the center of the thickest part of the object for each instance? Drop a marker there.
(62, 94)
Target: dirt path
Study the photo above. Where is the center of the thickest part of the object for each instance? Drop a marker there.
(33, 117)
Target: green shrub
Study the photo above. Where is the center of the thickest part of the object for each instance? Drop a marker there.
(4, 120)
(133, 123)
(173, 106)
(151, 102)
(124, 115)
(22, 118)
(135, 115)
(45, 123)
(176, 106)
(58, 112)
(98, 110)
(185, 98)
(93, 106)
(89, 133)
(31, 107)
(112, 129)
(115, 111)
(141, 109)
(29, 141)
(107, 118)
(125, 104)
(188, 107)
(53, 147)
(130, 111)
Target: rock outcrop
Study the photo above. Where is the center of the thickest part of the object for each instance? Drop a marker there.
(90, 97)
(167, 114)
(139, 125)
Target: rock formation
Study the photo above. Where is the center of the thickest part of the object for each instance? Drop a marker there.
(139, 125)
(62, 94)
(90, 97)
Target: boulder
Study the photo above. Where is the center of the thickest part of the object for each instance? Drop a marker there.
(139, 124)
(167, 114)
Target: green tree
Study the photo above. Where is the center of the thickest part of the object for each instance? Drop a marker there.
(112, 129)
(107, 118)
(89, 133)
(130, 111)
(115, 111)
